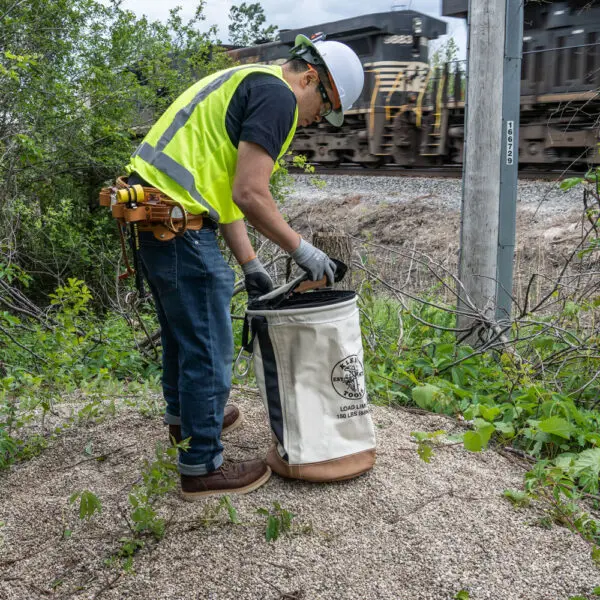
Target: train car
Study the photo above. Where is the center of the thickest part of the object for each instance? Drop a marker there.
(560, 82)
(394, 49)
(412, 114)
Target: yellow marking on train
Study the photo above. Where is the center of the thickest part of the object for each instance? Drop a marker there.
(389, 96)
(419, 107)
(438, 104)
(372, 107)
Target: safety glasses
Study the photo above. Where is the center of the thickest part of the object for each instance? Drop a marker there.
(327, 104)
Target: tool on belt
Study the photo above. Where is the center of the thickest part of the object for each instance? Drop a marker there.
(142, 208)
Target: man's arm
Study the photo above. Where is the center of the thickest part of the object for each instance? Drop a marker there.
(251, 193)
(236, 237)
(256, 278)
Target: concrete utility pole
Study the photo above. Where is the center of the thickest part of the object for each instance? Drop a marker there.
(484, 152)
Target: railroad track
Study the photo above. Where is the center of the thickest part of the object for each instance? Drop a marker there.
(450, 172)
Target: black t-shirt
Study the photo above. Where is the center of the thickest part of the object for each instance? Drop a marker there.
(261, 111)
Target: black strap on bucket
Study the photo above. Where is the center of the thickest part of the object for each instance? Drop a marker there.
(247, 339)
(260, 328)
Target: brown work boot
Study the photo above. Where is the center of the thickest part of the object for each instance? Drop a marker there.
(229, 478)
(232, 419)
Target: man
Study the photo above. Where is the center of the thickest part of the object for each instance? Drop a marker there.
(213, 152)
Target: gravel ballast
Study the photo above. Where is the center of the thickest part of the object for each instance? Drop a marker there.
(406, 530)
(539, 198)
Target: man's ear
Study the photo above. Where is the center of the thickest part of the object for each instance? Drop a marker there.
(309, 76)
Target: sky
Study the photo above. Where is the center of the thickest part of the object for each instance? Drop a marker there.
(292, 14)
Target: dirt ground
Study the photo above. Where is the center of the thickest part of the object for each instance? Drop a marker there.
(398, 233)
(407, 530)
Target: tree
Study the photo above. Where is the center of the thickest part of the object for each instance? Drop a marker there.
(79, 84)
(246, 25)
(446, 53)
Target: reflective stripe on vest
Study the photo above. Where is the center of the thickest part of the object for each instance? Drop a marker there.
(163, 162)
(156, 157)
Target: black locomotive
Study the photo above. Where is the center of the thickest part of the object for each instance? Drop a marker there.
(412, 114)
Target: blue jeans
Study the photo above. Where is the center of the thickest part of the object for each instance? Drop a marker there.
(192, 287)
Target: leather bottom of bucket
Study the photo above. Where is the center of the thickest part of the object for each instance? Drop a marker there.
(337, 469)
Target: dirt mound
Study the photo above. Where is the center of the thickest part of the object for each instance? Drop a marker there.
(392, 232)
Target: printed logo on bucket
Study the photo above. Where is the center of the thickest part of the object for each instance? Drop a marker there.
(347, 378)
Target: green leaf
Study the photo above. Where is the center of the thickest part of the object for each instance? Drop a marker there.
(272, 532)
(425, 396)
(596, 557)
(231, 510)
(472, 441)
(89, 503)
(425, 452)
(489, 413)
(564, 461)
(588, 460)
(570, 182)
(286, 520)
(485, 433)
(572, 309)
(543, 342)
(596, 591)
(462, 595)
(556, 426)
(518, 498)
(505, 428)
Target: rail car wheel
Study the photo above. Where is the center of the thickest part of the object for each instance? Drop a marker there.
(367, 160)
(405, 140)
(327, 157)
(374, 164)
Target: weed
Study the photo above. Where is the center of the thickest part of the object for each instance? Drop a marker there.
(89, 503)
(158, 478)
(211, 513)
(518, 499)
(9, 449)
(279, 521)
(426, 442)
(558, 495)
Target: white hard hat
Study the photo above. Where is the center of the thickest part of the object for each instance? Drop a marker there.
(344, 68)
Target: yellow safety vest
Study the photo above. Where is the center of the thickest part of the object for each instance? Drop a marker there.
(188, 155)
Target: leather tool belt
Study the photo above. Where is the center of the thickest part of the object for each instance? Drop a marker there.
(150, 210)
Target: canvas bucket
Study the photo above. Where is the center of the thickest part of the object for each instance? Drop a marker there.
(308, 361)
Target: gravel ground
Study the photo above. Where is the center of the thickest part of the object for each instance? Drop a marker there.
(543, 199)
(407, 530)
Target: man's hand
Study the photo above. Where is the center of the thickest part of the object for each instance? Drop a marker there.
(314, 261)
(256, 279)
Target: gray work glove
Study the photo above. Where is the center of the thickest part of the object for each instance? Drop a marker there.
(256, 279)
(314, 261)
